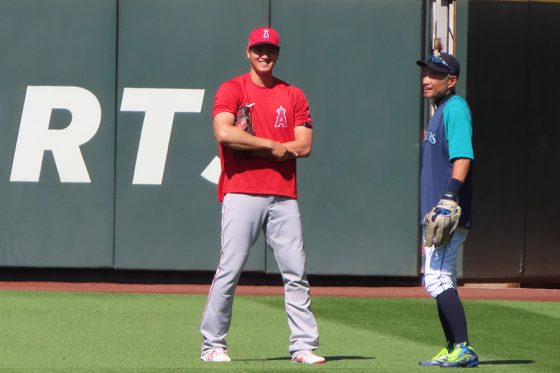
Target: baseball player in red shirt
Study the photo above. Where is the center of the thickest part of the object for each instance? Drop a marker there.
(258, 191)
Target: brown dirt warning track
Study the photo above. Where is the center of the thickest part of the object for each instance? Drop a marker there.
(518, 294)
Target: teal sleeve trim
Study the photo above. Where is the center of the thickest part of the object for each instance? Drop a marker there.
(458, 128)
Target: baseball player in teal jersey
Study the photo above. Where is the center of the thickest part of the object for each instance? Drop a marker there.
(258, 191)
(447, 155)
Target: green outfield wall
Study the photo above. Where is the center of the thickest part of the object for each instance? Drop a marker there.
(107, 157)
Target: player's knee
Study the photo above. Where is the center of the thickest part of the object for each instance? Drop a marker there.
(435, 285)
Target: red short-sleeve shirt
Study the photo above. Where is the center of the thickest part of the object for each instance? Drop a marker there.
(275, 113)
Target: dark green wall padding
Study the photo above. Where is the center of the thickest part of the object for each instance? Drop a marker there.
(58, 43)
(355, 60)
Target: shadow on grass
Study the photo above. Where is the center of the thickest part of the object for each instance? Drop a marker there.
(267, 359)
(506, 362)
(334, 358)
(328, 358)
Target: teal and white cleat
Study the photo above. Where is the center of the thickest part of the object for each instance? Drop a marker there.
(462, 356)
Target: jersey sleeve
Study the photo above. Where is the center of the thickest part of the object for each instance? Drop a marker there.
(458, 130)
(227, 98)
(301, 109)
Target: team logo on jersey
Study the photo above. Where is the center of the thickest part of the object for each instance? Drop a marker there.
(281, 120)
(430, 137)
(266, 34)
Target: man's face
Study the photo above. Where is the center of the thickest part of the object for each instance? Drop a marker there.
(437, 85)
(263, 57)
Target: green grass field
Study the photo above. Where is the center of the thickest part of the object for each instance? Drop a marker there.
(92, 332)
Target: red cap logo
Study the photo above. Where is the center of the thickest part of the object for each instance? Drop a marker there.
(264, 35)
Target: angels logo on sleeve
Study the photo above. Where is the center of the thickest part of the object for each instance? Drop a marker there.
(281, 120)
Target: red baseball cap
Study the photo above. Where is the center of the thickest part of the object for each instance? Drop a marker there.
(264, 35)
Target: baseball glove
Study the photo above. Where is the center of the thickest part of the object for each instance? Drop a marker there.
(243, 119)
(441, 223)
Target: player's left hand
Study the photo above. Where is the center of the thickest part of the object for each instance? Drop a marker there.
(288, 155)
(441, 222)
(280, 153)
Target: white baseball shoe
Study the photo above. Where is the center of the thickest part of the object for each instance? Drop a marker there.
(215, 355)
(307, 357)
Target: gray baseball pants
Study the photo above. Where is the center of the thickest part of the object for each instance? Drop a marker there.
(243, 217)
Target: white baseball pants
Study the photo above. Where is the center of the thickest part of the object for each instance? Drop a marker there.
(440, 264)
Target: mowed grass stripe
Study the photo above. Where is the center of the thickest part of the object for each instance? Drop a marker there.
(92, 332)
(509, 336)
(83, 330)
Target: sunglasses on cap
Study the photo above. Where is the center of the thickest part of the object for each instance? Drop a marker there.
(440, 61)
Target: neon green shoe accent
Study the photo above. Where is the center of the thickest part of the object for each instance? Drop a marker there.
(461, 356)
(439, 359)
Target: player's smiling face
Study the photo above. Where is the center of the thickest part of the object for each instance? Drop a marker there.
(263, 58)
(437, 85)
